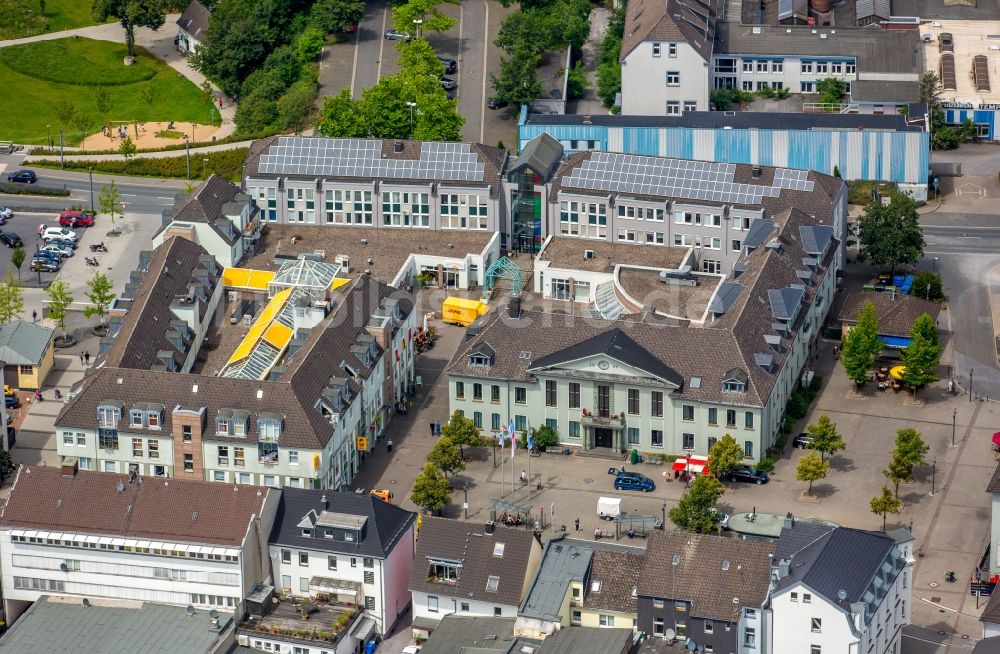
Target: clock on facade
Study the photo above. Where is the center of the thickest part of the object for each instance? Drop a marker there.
(603, 365)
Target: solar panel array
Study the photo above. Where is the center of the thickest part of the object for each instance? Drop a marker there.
(323, 157)
(693, 180)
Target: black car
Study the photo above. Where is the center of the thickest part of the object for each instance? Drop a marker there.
(749, 475)
(10, 239)
(11, 401)
(23, 176)
(46, 254)
(803, 441)
(448, 83)
(450, 65)
(496, 103)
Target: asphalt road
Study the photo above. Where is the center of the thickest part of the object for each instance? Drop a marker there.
(925, 640)
(139, 195)
(964, 248)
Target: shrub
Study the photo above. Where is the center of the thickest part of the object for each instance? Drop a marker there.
(226, 163)
(33, 189)
(577, 82)
(798, 405)
(926, 278)
(766, 464)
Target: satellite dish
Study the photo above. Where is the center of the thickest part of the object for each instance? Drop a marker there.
(86, 603)
(690, 645)
(842, 594)
(213, 614)
(190, 610)
(669, 634)
(119, 487)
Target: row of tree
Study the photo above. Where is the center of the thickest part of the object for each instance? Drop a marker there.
(910, 451)
(98, 293)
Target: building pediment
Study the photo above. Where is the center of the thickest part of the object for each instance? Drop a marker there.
(610, 353)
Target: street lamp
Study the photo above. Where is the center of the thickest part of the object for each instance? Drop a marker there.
(62, 156)
(663, 522)
(971, 370)
(48, 131)
(418, 22)
(204, 165)
(954, 413)
(187, 149)
(90, 170)
(935, 263)
(412, 106)
(465, 500)
(933, 476)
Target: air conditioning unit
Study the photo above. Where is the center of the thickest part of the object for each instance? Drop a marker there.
(243, 640)
(343, 261)
(321, 254)
(588, 254)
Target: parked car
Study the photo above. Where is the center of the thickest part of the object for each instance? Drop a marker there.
(10, 239)
(23, 177)
(6, 212)
(44, 264)
(450, 65)
(448, 83)
(748, 474)
(3, 221)
(58, 232)
(496, 103)
(803, 441)
(395, 35)
(57, 249)
(74, 218)
(61, 242)
(634, 481)
(11, 401)
(47, 254)
(720, 517)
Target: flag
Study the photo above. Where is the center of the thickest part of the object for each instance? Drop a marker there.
(513, 438)
(502, 437)
(531, 439)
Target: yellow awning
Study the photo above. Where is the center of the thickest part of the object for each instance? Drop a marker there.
(278, 335)
(263, 321)
(246, 278)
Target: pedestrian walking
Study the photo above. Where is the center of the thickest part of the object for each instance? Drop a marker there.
(34, 315)
(388, 446)
(81, 358)
(220, 103)
(577, 524)
(86, 358)
(433, 432)
(437, 428)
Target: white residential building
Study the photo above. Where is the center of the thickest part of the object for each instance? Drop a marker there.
(114, 536)
(355, 549)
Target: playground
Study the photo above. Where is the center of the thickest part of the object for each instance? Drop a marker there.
(149, 135)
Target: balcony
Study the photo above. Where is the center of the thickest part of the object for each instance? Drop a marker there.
(609, 421)
(304, 622)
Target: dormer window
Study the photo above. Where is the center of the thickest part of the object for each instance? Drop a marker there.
(269, 426)
(222, 425)
(137, 418)
(480, 360)
(307, 533)
(732, 386)
(109, 413)
(153, 419)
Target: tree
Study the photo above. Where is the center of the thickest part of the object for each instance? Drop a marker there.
(445, 456)
(517, 82)
(861, 345)
(309, 44)
(336, 15)
(726, 455)
(695, 511)
(461, 431)
(295, 105)
(825, 437)
(923, 355)
(897, 472)
(11, 298)
(890, 235)
(340, 117)
(60, 300)
(885, 504)
(911, 448)
(17, 258)
(131, 14)
(102, 101)
(419, 58)
(65, 111)
(811, 468)
(927, 284)
(83, 122)
(427, 12)
(831, 90)
(110, 201)
(546, 437)
(576, 82)
(127, 148)
(430, 489)
(100, 296)
(930, 89)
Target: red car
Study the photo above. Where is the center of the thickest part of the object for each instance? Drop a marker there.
(73, 219)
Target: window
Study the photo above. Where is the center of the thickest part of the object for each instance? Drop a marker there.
(807, 67)
(690, 106)
(749, 637)
(303, 558)
(748, 420)
(550, 392)
(136, 418)
(574, 395)
(369, 577)
(495, 421)
(709, 627)
(657, 404)
(673, 78)
(494, 393)
(432, 603)
(607, 620)
(464, 607)
(293, 457)
(108, 438)
(713, 266)
(497, 612)
(477, 419)
(730, 417)
(777, 66)
(656, 437)
(816, 625)
(137, 447)
(747, 85)
(671, 49)
(748, 65)
(658, 626)
(459, 390)
(713, 416)
(633, 435)
(492, 583)
(331, 563)
(762, 66)
(673, 108)
(67, 438)
(807, 87)
(687, 413)
(186, 433)
(405, 209)
(806, 597)
(821, 67)
(153, 448)
(850, 68)
(748, 449)
(656, 49)
(794, 597)
(520, 395)
(815, 649)
(239, 457)
(223, 455)
(712, 440)
(477, 392)
(574, 429)
(633, 401)
(81, 439)
(219, 475)
(688, 441)
(464, 211)
(586, 219)
(576, 617)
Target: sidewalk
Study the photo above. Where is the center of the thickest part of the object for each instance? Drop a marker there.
(160, 43)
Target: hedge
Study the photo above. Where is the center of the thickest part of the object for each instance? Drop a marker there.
(173, 147)
(226, 163)
(32, 189)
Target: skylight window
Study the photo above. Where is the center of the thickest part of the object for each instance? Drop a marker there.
(492, 583)
(595, 587)
(498, 550)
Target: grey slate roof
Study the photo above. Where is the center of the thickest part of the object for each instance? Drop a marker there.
(744, 120)
(616, 344)
(210, 203)
(467, 543)
(759, 232)
(699, 576)
(988, 645)
(725, 296)
(876, 90)
(561, 564)
(386, 524)
(195, 19)
(843, 559)
(23, 343)
(815, 238)
(63, 624)
(542, 154)
(473, 634)
(587, 640)
(803, 535)
(785, 302)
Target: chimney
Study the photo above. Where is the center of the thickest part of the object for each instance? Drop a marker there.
(489, 528)
(756, 172)
(397, 147)
(70, 466)
(586, 120)
(514, 308)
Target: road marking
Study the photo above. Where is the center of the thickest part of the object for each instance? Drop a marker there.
(357, 46)
(159, 197)
(381, 45)
(129, 195)
(486, 49)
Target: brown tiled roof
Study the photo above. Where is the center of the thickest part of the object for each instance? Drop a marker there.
(494, 161)
(568, 252)
(195, 19)
(452, 540)
(618, 573)
(157, 508)
(209, 204)
(686, 302)
(670, 20)
(143, 332)
(896, 312)
(698, 576)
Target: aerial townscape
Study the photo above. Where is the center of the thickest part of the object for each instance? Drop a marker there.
(500, 326)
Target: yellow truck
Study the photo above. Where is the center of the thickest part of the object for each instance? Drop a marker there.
(462, 311)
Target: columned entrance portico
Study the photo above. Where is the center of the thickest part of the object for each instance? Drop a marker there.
(604, 433)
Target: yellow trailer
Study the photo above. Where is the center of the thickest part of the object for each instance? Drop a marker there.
(462, 311)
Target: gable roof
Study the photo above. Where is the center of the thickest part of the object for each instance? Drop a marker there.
(23, 343)
(692, 21)
(618, 572)
(896, 312)
(561, 564)
(541, 154)
(386, 524)
(718, 576)
(465, 543)
(211, 203)
(87, 502)
(618, 345)
(195, 19)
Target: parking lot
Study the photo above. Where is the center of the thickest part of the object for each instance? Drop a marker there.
(366, 56)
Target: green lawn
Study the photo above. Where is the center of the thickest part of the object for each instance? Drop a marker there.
(21, 18)
(41, 75)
